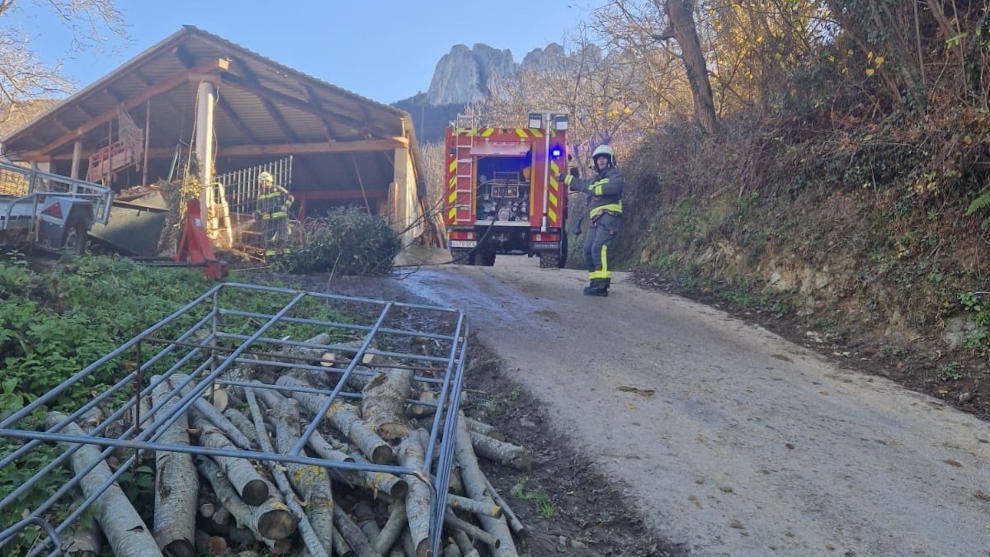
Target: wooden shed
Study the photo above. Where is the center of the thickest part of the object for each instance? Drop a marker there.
(198, 93)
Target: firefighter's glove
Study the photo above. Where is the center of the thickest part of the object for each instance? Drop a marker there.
(566, 179)
(573, 171)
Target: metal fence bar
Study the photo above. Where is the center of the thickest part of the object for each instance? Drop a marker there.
(207, 364)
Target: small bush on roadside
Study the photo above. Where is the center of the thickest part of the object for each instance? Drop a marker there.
(347, 241)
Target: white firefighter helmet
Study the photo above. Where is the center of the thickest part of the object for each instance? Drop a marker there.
(604, 150)
(265, 178)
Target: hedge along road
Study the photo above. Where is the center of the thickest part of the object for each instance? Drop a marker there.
(731, 440)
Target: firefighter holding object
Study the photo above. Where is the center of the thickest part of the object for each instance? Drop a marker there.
(273, 205)
(605, 212)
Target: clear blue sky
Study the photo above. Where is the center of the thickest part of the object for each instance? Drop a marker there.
(385, 50)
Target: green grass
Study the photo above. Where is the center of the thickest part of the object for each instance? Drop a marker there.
(537, 496)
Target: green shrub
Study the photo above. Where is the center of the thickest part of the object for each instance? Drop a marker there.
(347, 241)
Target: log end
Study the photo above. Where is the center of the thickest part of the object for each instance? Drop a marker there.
(255, 492)
(180, 548)
(399, 489)
(382, 454)
(277, 524)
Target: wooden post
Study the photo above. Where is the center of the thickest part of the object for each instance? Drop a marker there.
(76, 155)
(147, 137)
(205, 97)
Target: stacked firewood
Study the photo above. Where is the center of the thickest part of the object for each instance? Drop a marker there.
(220, 505)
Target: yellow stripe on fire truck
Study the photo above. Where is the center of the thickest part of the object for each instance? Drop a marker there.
(487, 132)
(554, 168)
(521, 133)
(452, 197)
(553, 199)
(553, 215)
(453, 165)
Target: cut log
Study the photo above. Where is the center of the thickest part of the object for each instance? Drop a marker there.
(451, 550)
(354, 536)
(418, 499)
(384, 403)
(472, 506)
(378, 482)
(242, 423)
(364, 516)
(344, 418)
(502, 452)
(465, 544)
(206, 410)
(514, 523)
(475, 486)
(125, 531)
(318, 545)
(176, 485)
(407, 544)
(483, 428)
(340, 546)
(220, 521)
(250, 486)
(85, 539)
(393, 528)
(270, 520)
(452, 520)
(312, 483)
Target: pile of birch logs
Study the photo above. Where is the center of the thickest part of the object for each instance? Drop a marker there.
(221, 505)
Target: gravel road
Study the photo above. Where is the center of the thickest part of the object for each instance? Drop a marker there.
(732, 440)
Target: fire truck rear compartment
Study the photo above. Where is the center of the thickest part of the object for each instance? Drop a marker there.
(503, 189)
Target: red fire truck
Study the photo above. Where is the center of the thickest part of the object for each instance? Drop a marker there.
(503, 193)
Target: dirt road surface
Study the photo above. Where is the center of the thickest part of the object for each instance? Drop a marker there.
(731, 440)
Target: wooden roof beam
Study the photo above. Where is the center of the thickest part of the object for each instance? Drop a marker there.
(261, 150)
(309, 148)
(211, 68)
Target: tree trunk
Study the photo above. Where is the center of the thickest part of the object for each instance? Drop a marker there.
(127, 533)
(472, 506)
(176, 486)
(384, 402)
(475, 485)
(208, 411)
(418, 499)
(681, 16)
(393, 528)
(85, 539)
(344, 418)
(450, 519)
(501, 452)
(243, 424)
(312, 483)
(250, 486)
(354, 536)
(317, 545)
(464, 543)
(270, 520)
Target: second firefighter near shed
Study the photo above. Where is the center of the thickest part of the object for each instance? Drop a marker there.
(273, 211)
(604, 193)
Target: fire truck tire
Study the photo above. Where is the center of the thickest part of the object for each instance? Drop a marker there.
(562, 255)
(462, 257)
(549, 260)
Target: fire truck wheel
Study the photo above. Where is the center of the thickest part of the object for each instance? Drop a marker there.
(487, 258)
(549, 260)
(462, 257)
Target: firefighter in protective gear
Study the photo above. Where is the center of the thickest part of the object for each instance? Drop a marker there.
(273, 210)
(605, 213)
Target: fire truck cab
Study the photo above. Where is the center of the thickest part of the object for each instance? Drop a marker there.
(503, 193)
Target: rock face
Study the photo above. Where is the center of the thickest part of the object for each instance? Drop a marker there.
(463, 74)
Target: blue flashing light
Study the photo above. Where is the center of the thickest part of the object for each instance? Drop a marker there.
(556, 152)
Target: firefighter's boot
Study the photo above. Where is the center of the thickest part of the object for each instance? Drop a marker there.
(596, 288)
